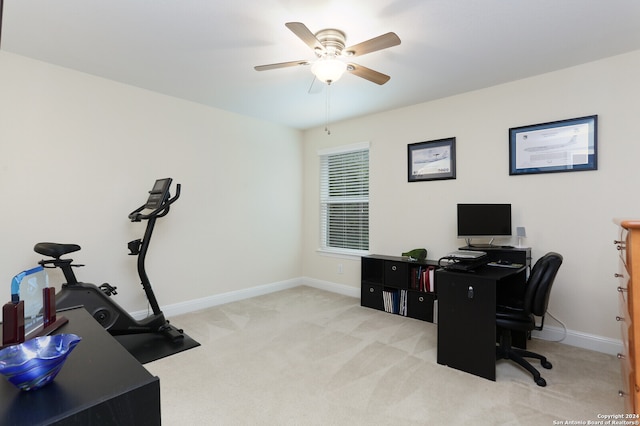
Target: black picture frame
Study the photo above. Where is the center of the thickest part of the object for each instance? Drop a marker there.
(558, 146)
(432, 160)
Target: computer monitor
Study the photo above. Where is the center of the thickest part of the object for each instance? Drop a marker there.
(484, 221)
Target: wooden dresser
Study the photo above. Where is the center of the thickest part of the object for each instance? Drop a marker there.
(628, 275)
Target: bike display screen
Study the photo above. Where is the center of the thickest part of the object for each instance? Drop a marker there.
(158, 193)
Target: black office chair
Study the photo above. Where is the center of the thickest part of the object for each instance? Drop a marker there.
(522, 318)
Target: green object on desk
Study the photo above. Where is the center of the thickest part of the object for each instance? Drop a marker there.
(418, 254)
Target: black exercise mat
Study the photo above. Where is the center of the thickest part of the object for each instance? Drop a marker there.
(149, 347)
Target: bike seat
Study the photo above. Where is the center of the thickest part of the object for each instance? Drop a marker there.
(55, 249)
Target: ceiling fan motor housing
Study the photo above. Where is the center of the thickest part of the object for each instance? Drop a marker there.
(333, 41)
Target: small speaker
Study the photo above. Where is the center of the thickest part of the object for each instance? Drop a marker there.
(520, 233)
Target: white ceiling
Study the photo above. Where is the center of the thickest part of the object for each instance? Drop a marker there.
(205, 50)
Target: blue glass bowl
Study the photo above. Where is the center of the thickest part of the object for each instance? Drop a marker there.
(36, 362)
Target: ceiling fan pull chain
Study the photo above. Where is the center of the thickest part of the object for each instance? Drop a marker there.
(327, 107)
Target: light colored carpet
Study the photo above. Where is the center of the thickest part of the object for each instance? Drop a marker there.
(309, 357)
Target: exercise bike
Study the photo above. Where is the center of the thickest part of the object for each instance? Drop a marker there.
(97, 299)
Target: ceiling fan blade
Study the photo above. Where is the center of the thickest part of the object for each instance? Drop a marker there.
(377, 43)
(368, 74)
(301, 30)
(280, 65)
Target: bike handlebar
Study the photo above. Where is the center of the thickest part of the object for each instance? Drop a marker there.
(136, 216)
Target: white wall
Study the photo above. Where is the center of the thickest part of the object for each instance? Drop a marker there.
(79, 153)
(570, 213)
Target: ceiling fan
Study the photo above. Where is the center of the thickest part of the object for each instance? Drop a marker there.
(329, 47)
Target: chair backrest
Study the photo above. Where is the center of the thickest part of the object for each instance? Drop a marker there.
(536, 297)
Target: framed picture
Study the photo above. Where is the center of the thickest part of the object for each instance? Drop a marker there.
(433, 160)
(559, 146)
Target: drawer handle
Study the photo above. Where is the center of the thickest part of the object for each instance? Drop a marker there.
(394, 267)
(621, 289)
(620, 356)
(421, 299)
(616, 275)
(620, 247)
(371, 289)
(619, 318)
(618, 242)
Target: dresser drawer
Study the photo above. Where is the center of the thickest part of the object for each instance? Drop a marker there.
(371, 296)
(622, 275)
(420, 305)
(621, 245)
(622, 268)
(626, 328)
(627, 382)
(396, 274)
(623, 305)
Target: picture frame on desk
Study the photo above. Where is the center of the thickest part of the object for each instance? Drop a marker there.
(432, 160)
(559, 146)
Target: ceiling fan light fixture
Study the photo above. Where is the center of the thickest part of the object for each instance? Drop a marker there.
(328, 69)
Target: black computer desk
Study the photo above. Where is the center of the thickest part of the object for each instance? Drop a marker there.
(467, 315)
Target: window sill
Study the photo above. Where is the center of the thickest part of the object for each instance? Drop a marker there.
(343, 254)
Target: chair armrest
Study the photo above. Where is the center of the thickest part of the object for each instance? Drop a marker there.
(509, 309)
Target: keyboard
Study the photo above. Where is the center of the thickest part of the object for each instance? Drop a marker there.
(459, 264)
(467, 254)
(506, 265)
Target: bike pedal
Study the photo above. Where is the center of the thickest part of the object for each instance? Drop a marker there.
(108, 289)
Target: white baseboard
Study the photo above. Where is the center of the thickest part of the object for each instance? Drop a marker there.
(221, 299)
(572, 338)
(580, 340)
(345, 290)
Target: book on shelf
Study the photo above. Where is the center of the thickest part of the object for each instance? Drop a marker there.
(395, 301)
(423, 278)
(432, 279)
(403, 303)
(390, 300)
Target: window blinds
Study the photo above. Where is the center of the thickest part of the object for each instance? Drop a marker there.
(344, 199)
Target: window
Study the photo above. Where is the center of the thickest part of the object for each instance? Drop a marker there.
(344, 199)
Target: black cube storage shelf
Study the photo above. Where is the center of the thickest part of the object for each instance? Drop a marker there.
(398, 285)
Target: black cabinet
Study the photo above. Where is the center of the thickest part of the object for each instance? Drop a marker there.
(100, 384)
(399, 286)
(466, 324)
(467, 317)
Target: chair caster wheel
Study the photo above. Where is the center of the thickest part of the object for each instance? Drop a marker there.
(546, 364)
(541, 382)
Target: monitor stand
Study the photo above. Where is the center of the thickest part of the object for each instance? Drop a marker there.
(489, 245)
(482, 246)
